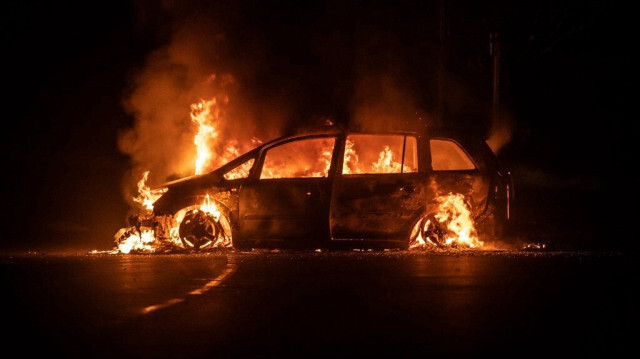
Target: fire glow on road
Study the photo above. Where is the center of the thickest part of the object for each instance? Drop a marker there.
(231, 268)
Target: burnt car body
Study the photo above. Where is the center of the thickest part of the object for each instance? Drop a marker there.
(342, 206)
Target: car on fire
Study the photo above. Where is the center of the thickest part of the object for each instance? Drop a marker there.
(332, 187)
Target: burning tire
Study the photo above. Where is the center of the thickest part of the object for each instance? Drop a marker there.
(200, 230)
(451, 225)
(429, 228)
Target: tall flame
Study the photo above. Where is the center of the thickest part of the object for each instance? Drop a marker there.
(207, 115)
(456, 214)
(385, 163)
(208, 206)
(204, 114)
(147, 196)
(351, 159)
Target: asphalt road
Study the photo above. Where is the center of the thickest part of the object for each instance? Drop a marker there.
(328, 304)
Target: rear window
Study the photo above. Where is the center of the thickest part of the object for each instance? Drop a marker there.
(449, 156)
(365, 154)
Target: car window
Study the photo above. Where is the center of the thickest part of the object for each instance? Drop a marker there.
(448, 156)
(240, 171)
(299, 159)
(366, 154)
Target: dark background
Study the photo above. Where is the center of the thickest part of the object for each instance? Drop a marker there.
(68, 67)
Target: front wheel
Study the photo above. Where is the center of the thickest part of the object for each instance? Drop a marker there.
(200, 230)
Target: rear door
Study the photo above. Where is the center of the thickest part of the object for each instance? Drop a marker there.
(379, 188)
(454, 171)
(290, 192)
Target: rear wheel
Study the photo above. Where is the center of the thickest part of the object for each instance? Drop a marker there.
(428, 229)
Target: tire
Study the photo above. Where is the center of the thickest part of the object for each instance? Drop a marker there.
(199, 230)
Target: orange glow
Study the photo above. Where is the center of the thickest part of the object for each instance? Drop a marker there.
(209, 207)
(147, 196)
(385, 161)
(452, 214)
(351, 159)
(165, 234)
(204, 114)
(138, 242)
(298, 159)
(241, 171)
(210, 154)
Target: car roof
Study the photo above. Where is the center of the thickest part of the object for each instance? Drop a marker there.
(432, 132)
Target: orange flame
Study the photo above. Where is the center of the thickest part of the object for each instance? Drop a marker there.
(351, 159)
(147, 196)
(241, 171)
(139, 242)
(453, 213)
(385, 163)
(208, 206)
(204, 114)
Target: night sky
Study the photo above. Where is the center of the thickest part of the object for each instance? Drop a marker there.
(69, 68)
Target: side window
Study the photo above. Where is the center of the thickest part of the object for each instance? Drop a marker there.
(448, 156)
(241, 171)
(380, 154)
(299, 159)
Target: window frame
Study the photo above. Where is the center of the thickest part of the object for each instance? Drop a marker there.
(460, 146)
(225, 173)
(404, 136)
(259, 164)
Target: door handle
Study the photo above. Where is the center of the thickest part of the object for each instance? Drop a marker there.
(408, 189)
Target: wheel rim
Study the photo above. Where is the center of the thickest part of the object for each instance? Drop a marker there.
(199, 230)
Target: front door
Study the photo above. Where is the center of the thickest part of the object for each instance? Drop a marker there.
(379, 190)
(288, 198)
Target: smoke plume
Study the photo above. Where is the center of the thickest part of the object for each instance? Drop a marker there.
(198, 63)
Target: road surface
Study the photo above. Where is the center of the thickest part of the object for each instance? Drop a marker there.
(319, 304)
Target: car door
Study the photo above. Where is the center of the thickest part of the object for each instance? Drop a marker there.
(454, 171)
(288, 195)
(380, 188)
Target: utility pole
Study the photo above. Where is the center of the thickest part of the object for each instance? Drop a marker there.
(440, 62)
(494, 50)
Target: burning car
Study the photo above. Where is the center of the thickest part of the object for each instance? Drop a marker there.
(333, 187)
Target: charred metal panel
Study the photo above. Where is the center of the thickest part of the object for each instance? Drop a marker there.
(376, 205)
(284, 208)
(474, 185)
(190, 192)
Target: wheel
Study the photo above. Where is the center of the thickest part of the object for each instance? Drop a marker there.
(436, 231)
(427, 231)
(199, 230)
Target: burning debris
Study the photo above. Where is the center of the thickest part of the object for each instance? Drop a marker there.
(534, 247)
(147, 196)
(200, 226)
(451, 226)
(197, 227)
